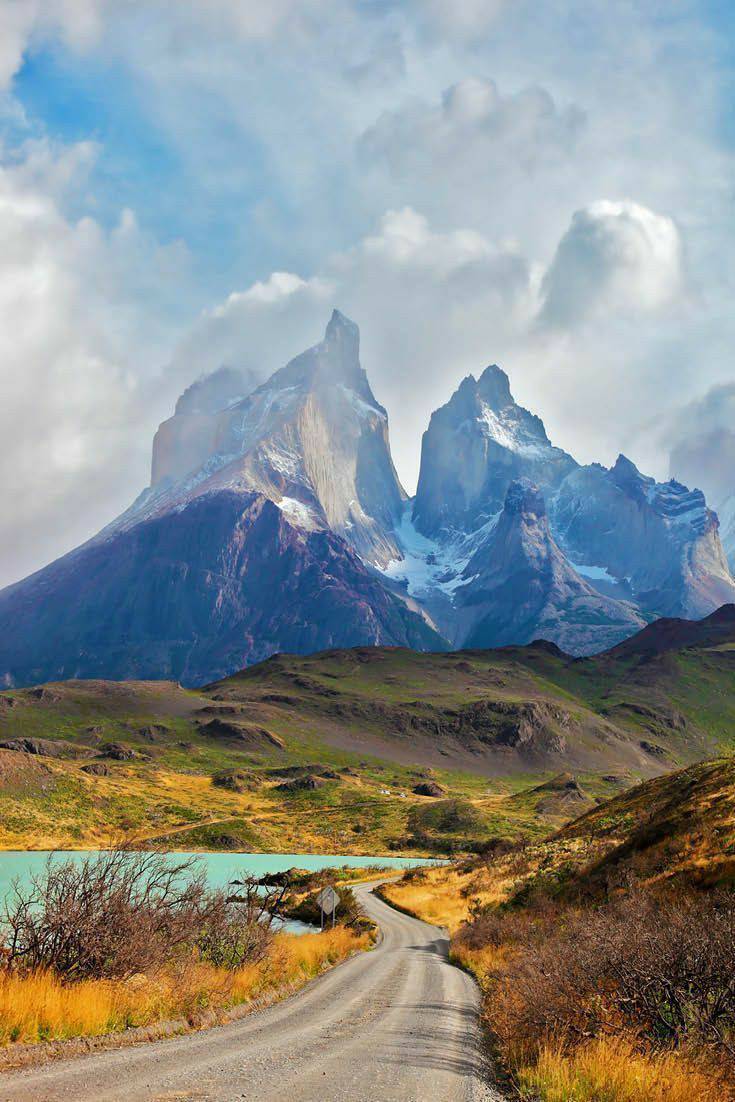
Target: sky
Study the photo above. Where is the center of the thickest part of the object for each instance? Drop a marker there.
(545, 186)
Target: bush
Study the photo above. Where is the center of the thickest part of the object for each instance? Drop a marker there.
(123, 912)
(661, 969)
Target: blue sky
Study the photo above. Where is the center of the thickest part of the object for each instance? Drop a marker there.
(546, 186)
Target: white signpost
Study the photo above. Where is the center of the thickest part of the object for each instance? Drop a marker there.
(328, 901)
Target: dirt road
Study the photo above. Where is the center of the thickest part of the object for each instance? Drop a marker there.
(398, 1024)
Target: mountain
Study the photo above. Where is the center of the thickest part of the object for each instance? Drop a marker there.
(520, 587)
(312, 439)
(726, 514)
(658, 541)
(195, 593)
(675, 635)
(474, 447)
(275, 520)
(188, 439)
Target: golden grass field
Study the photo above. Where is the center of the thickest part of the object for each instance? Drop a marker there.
(39, 1007)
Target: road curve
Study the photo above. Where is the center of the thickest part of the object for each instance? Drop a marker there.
(398, 1024)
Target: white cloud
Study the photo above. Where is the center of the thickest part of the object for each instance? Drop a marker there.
(615, 257)
(473, 125)
(701, 437)
(461, 20)
(77, 22)
(81, 325)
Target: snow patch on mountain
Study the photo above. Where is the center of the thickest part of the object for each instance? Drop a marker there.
(510, 431)
(429, 565)
(297, 512)
(360, 406)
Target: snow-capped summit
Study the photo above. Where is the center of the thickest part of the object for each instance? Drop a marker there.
(312, 438)
(474, 447)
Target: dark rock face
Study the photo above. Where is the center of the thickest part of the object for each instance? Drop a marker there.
(195, 595)
(118, 751)
(429, 788)
(301, 784)
(49, 748)
(475, 446)
(234, 780)
(96, 769)
(521, 587)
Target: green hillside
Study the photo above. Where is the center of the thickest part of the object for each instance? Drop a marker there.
(325, 751)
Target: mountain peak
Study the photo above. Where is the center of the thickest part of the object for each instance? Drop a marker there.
(342, 337)
(493, 387)
(524, 498)
(475, 447)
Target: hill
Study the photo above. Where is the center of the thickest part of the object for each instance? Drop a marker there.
(671, 832)
(326, 750)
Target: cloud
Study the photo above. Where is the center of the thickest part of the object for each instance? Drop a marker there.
(473, 123)
(702, 443)
(76, 22)
(477, 154)
(615, 257)
(462, 20)
(81, 324)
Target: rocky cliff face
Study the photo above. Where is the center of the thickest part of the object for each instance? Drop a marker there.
(519, 587)
(475, 446)
(312, 438)
(195, 594)
(659, 540)
(726, 513)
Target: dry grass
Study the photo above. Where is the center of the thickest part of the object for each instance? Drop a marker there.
(433, 896)
(38, 1007)
(611, 1070)
(444, 895)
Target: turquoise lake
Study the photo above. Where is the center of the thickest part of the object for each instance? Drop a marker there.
(221, 867)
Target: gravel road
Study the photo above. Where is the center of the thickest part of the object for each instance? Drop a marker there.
(398, 1024)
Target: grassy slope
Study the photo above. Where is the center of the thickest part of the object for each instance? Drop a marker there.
(381, 718)
(677, 828)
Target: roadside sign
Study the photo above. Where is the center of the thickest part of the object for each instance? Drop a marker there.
(328, 901)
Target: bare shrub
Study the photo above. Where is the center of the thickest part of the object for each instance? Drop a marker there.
(663, 968)
(120, 912)
(237, 926)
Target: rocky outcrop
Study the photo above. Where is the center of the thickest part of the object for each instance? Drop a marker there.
(520, 587)
(197, 594)
(659, 541)
(474, 447)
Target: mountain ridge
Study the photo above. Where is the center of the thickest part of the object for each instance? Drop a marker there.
(587, 557)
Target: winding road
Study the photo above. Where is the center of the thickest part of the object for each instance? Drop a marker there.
(398, 1024)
